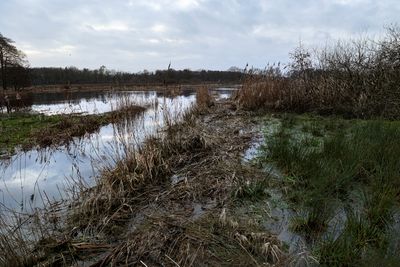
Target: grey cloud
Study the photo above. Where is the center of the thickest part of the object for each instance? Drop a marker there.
(138, 34)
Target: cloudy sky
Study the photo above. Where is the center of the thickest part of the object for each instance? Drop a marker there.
(197, 34)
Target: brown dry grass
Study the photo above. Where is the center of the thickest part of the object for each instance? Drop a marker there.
(204, 99)
(353, 78)
(259, 92)
(161, 205)
(171, 240)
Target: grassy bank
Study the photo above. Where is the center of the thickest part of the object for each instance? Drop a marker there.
(341, 177)
(29, 130)
(17, 128)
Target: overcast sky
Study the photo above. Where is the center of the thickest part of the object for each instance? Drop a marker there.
(196, 34)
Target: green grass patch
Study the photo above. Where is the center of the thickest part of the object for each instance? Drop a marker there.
(16, 129)
(332, 165)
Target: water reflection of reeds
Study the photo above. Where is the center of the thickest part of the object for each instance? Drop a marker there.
(51, 170)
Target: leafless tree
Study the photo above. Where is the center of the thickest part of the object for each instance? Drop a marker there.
(10, 59)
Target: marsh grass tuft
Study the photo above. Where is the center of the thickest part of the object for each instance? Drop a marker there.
(250, 190)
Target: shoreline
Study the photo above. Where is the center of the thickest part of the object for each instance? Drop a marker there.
(112, 87)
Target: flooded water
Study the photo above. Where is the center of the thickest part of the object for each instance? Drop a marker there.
(276, 219)
(90, 102)
(29, 179)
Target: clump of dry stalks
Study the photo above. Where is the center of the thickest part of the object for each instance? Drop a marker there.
(262, 90)
(13, 247)
(212, 240)
(142, 171)
(27, 239)
(261, 244)
(204, 99)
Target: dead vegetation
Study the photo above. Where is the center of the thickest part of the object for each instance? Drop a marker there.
(174, 222)
(203, 98)
(172, 240)
(168, 203)
(353, 78)
(264, 91)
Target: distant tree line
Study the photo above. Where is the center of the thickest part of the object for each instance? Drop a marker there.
(73, 75)
(19, 76)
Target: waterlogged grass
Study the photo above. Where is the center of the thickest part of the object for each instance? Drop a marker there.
(16, 129)
(250, 190)
(28, 130)
(342, 177)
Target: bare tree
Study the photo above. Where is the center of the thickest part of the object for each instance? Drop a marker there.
(10, 59)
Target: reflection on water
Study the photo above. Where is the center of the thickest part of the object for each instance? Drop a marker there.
(88, 102)
(100, 102)
(29, 179)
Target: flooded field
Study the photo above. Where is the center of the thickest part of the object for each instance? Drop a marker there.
(32, 178)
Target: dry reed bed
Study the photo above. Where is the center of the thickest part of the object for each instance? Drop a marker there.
(355, 78)
(203, 98)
